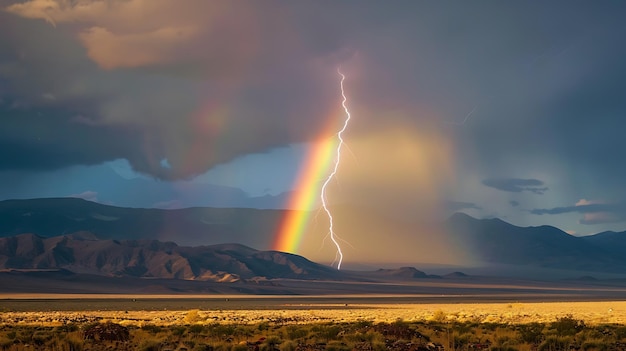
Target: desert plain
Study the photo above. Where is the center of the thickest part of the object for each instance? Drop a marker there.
(52, 310)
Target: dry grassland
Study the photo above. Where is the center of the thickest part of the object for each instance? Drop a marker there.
(592, 313)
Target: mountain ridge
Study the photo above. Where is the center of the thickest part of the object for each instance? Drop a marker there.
(492, 241)
(546, 246)
(57, 216)
(156, 259)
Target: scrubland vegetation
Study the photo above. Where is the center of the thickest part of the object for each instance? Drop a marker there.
(439, 333)
(517, 326)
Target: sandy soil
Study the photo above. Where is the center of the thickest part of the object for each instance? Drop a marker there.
(303, 310)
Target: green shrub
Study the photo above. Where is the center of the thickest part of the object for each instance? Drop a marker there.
(75, 343)
(367, 337)
(224, 347)
(221, 331)
(326, 332)
(196, 328)
(595, 345)
(568, 325)
(41, 337)
(462, 339)
(620, 333)
(243, 331)
(379, 346)
(239, 347)
(555, 343)
(179, 330)
(288, 345)
(503, 348)
(466, 328)
(189, 344)
(294, 332)
(531, 333)
(71, 327)
(5, 343)
(270, 343)
(151, 328)
(203, 347)
(489, 326)
(150, 345)
(336, 345)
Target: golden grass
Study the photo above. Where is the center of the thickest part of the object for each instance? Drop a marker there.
(592, 313)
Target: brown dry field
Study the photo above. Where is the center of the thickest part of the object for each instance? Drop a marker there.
(34, 309)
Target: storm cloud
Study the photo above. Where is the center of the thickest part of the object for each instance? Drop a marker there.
(177, 86)
(516, 97)
(202, 83)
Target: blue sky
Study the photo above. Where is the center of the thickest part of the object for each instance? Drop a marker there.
(510, 110)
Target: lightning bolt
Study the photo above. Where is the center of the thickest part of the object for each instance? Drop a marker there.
(331, 229)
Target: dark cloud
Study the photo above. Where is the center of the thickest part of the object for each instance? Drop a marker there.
(39, 139)
(206, 82)
(89, 107)
(516, 185)
(563, 109)
(586, 208)
(514, 203)
(593, 213)
(257, 76)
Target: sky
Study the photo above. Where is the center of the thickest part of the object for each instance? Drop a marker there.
(515, 110)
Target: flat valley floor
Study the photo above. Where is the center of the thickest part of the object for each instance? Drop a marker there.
(480, 300)
(51, 309)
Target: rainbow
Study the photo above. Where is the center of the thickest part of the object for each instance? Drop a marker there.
(306, 195)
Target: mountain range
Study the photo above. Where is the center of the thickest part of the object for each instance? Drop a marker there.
(496, 241)
(107, 186)
(491, 241)
(58, 216)
(80, 263)
(85, 254)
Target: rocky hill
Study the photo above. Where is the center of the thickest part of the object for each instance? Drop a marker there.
(83, 253)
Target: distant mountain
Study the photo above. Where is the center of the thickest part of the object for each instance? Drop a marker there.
(614, 242)
(190, 226)
(154, 259)
(81, 263)
(496, 241)
(456, 275)
(489, 242)
(103, 183)
(402, 273)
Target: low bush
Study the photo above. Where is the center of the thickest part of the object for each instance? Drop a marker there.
(564, 334)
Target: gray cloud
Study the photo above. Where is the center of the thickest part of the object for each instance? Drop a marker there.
(516, 185)
(593, 213)
(514, 203)
(201, 91)
(587, 208)
(194, 105)
(602, 218)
